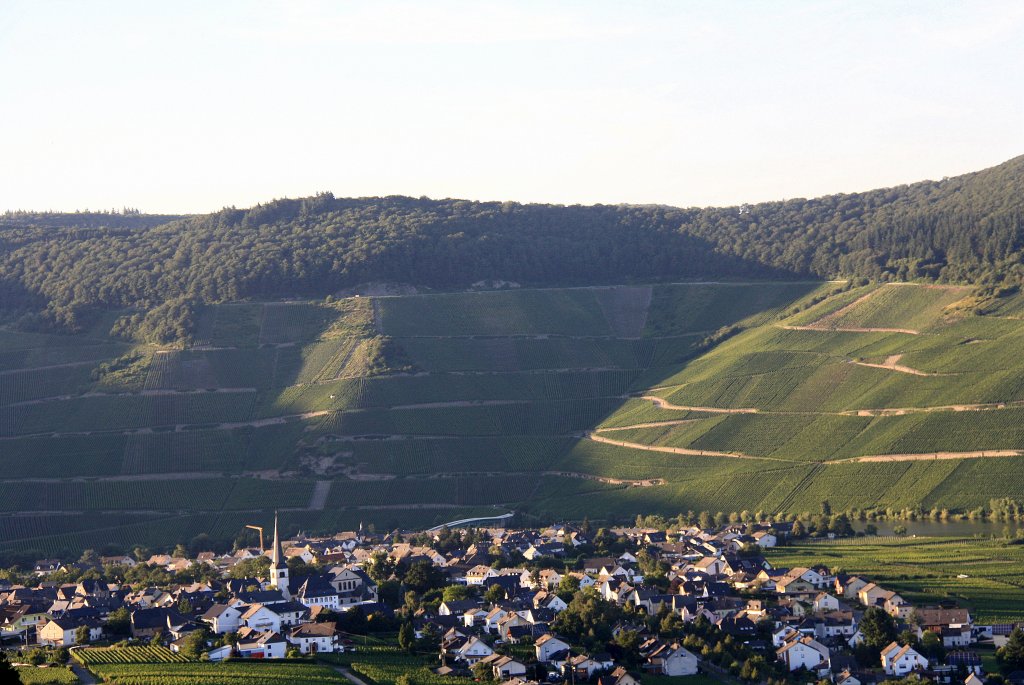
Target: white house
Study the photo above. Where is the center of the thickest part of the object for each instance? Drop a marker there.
(493, 618)
(804, 653)
(260, 617)
(316, 638)
(256, 644)
(825, 602)
(548, 645)
(60, 632)
(471, 651)
(223, 618)
(817, 577)
(478, 574)
(474, 616)
(898, 660)
(673, 660)
(504, 667)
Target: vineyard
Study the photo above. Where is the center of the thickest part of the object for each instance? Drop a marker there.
(416, 407)
(256, 673)
(383, 664)
(896, 306)
(983, 575)
(150, 654)
(529, 312)
(50, 675)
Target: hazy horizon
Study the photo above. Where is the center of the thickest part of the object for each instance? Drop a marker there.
(189, 108)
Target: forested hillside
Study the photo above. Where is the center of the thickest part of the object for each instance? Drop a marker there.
(59, 271)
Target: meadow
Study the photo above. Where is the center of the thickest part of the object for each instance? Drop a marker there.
(606, 402)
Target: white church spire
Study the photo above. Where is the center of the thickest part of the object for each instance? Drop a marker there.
(278, 570)
(275, 554)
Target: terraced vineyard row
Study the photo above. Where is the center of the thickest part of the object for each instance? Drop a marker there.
(456, 490)
(149, 654)
(84, 414)
(520, 418)
(219, 674)
(455, 455)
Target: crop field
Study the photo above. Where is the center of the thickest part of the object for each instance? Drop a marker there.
(383, 664)
(255, 673)
(512, 418)
(150, 654)
(49, 675)
(113, 495)
(681, 309)
(432, 455)
(123, 412)
(928, 570)
(423, 406)
(574, 311)
(471, 490)
(33, 384)
(56, 539)
(898, 306)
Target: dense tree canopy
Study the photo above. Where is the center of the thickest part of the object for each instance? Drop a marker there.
(57, 268)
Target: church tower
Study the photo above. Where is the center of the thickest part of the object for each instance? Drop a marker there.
(278, 569)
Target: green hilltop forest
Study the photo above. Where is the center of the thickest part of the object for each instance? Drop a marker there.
(60, 269)
(173, 377)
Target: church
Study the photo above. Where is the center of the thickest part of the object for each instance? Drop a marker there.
(337, 588)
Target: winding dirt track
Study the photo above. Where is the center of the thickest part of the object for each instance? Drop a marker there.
(980, 454)
(851, 329)
(665, 404)
(891, 363)
(652, 424)
(678, 450)
(926, 456)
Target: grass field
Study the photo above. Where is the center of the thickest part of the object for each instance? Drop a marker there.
(422, 406)
(928, 570)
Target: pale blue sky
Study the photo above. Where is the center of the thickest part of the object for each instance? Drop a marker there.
(190, 106)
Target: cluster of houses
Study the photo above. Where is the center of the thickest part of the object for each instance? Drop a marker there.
(810, 614)
(264, 616)
(806, 618)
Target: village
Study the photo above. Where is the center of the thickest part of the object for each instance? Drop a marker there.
(517, 606)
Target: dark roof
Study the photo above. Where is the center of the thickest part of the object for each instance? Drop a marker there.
(461, 606)
(261, 597)
(144, 619)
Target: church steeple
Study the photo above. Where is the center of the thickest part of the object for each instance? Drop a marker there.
(278, 570)
(275, 554)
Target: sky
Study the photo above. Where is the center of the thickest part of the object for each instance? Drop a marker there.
(192, 106)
